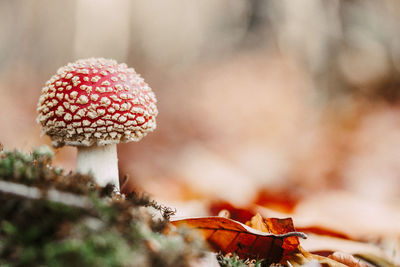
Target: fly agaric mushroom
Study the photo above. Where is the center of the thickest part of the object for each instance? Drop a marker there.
(94, 104)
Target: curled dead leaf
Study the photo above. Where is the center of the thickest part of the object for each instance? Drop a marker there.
(276, 226)
(229, 236)
(294, 255)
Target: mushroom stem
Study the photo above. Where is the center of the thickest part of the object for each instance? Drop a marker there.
(101, 161)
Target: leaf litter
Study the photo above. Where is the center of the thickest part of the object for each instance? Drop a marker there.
(228, 236)
(42, 226)
(359, 252)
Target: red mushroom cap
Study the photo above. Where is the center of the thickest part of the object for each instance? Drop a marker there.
(96, 101)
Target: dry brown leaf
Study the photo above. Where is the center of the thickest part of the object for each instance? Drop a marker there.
(293, 252)
(302, 257)
(229, 236)
(347, 259)
(276, 226)
(239, 214)
(256, 222)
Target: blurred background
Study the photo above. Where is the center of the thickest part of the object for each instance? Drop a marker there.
(259, 101)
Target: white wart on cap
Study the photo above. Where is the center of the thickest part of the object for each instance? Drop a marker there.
(96, 101)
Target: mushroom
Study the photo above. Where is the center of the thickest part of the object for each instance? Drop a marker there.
(94, 104)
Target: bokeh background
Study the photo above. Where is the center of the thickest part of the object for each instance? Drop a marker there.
(285, 98)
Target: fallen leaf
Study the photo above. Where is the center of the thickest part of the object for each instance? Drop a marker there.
(238, 214)
(347, 259)
(324, 241)
(276, 226)
(293, 253)
(229, 236)
(280, 199)
(302, 257)
(257, 222)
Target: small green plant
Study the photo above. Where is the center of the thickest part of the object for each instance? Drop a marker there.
(233, 260)
(48, 218)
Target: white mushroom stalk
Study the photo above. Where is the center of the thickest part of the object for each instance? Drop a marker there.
(94, 104)
(101, 162)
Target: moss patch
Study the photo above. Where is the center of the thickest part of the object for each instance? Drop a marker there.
(99, 228)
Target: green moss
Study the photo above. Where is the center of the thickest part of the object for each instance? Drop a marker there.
(234, 261)
(105, 229)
